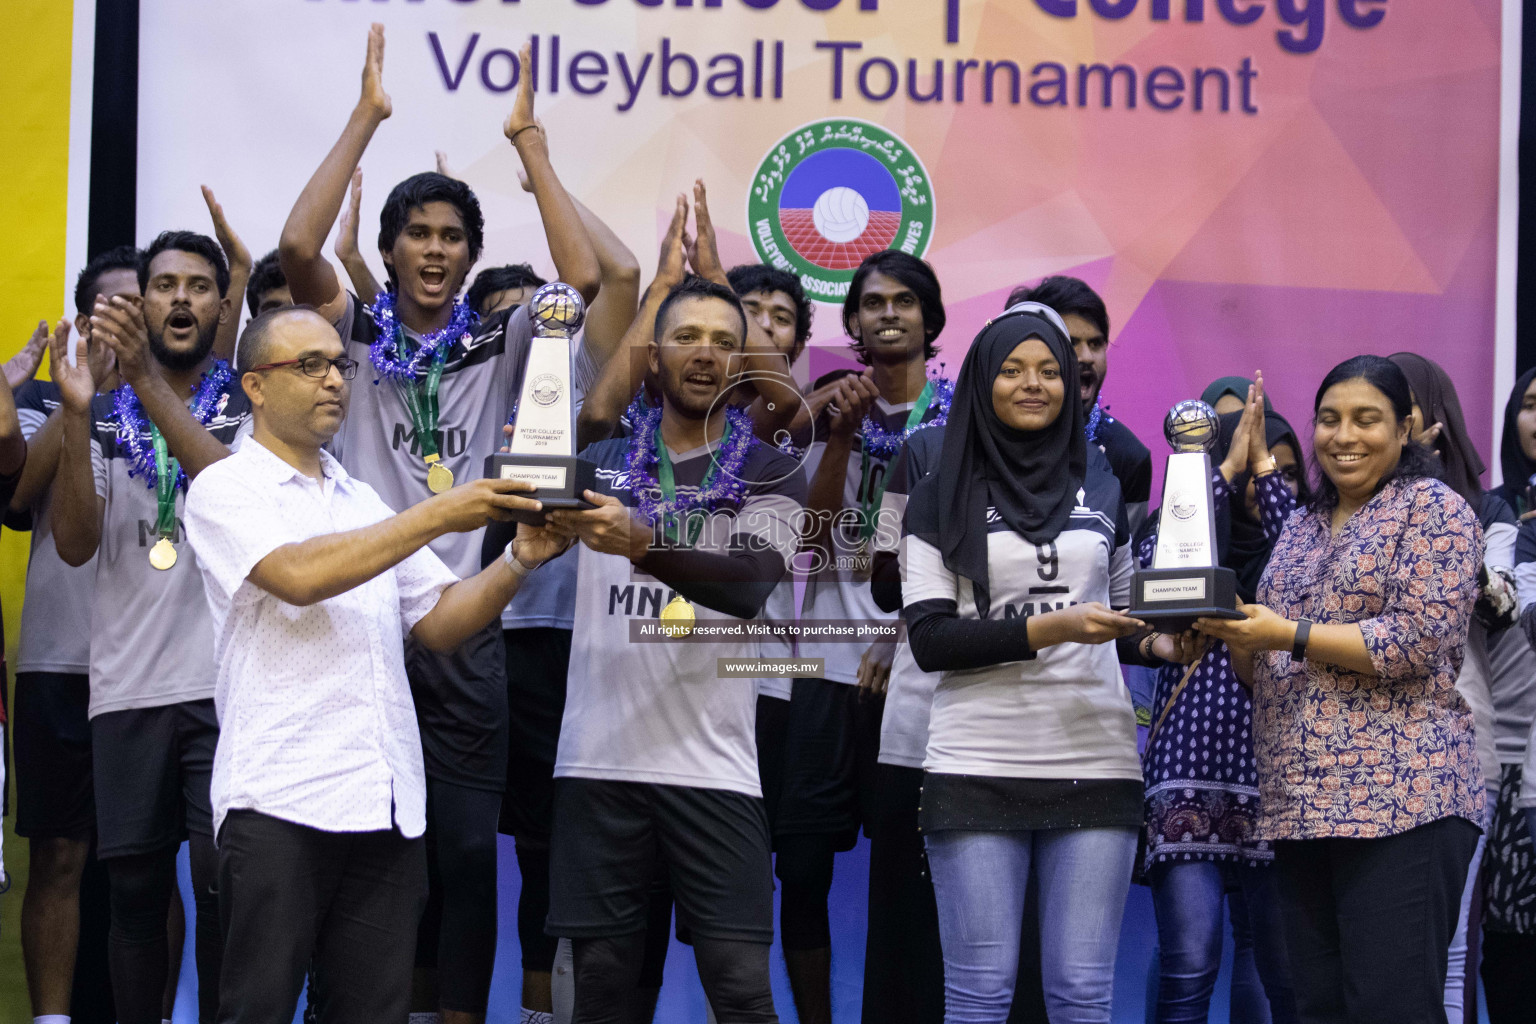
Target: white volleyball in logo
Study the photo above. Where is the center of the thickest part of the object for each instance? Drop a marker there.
(840, 214)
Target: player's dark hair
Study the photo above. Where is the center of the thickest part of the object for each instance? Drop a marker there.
(695, 287)
(266, 275)
(430, 187)
(917, 275)
(492, 280)
(759, 277)
(1068, 296)
(190, 242)
(123, 257)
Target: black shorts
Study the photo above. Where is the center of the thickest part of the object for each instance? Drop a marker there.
(461, 708)
(611, 836)
(772, 730)
(152, 769)
(827, 750)
(537, 661)
(55, 797)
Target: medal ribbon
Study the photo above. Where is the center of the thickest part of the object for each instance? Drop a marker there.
(664, 477)
(167, 471)
(869, 503)
(420, 396)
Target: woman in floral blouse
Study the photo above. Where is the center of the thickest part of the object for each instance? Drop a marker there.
(1368, 775)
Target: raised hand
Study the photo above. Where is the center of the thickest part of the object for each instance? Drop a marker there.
(442, 166)
(855, 396)
(346, 229)
(1239, 459)
(373, 97)
(703, 251)
(673, 266)
(234, 249)
(22, 366)
(76, 387)
(1258, 440)
(119, 326)
(521, 116)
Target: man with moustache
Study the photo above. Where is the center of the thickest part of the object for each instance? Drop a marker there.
(1087, 320)
(124, 460)
(692, 526)
(446, 388)
(319, 796)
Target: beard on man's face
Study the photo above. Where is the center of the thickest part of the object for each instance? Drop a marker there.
(177, 361)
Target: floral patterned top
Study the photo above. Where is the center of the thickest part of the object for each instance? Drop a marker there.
(1202, 796)
(1348, 754)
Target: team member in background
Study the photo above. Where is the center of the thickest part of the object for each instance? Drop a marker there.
(1088, 322)
(268, 289)
(123, 460)
(1016, 548)
(498, 288)
(446, 389)
(319, 797)
(893, 314)
(663, 766)
(1438, 424)
(1368, 775)
(64, 910)
(1509, 892)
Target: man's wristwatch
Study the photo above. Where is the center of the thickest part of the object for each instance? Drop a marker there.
(518, 567)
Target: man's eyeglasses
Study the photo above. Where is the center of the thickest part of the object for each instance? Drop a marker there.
(316, 366)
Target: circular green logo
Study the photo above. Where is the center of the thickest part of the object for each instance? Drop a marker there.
(830, 193)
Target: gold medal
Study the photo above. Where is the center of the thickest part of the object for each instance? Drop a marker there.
(163, 555)
(677, 618)
(439, 476)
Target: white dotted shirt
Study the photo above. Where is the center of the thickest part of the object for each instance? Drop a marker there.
(316, 723)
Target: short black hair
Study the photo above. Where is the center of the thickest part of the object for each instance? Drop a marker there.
(1387, 377)
(695, 287)
(123, 257)
(185, 241)
(256, 340)
(430, 187)
(492, 280)
(917, 275)
(266, 275)
(1068, 296)
(759, 277)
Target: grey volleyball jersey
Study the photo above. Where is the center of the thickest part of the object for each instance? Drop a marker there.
(151, 630)
(56, 617)
(481, 380)
(660, 712)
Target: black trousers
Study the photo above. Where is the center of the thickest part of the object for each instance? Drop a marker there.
(1368, 922)
(349, 901)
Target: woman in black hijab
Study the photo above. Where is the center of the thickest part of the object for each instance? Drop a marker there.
(1517, 450)
(1016, 551)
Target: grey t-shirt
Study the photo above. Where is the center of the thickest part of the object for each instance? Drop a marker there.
(151, 631)
(56, 616)
(480, 384)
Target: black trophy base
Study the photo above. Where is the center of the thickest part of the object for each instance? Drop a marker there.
(1172, 599)
(560, 480)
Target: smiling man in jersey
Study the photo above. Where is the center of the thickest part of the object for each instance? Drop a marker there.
(893, 314)
(446, 388)
(153, 727)
(657, 758)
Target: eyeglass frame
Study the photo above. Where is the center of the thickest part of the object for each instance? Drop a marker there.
(352, 365)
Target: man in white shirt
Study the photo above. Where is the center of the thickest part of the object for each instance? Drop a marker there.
(319, 794)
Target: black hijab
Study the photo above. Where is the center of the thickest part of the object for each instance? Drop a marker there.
(1436, 397)
(1030, 477)
(1512, 458)
(1247, 550)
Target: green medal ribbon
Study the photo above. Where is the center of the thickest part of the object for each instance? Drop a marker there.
(420, 398)
(668, 484)
(869, 500)
(167, 469)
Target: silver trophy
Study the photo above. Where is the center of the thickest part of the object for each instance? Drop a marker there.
(1185, 582)
(543, 447)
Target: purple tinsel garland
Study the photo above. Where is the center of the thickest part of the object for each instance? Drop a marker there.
(726, 488)
(133, 425)
(383, 353)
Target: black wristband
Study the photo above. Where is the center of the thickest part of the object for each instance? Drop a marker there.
(1299, 646)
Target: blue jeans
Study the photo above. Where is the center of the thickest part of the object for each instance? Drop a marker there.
(1187, 900)
(979, 879)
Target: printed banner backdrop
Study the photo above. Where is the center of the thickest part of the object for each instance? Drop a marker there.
(1270, 184)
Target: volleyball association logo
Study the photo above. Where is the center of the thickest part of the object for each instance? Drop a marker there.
(830, 193)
